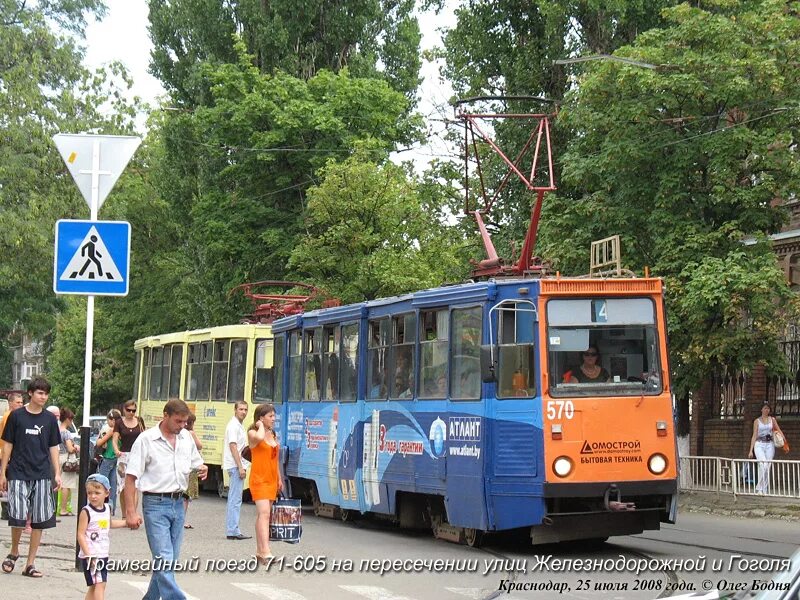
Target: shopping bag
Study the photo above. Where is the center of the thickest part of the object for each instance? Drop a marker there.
(286, 521)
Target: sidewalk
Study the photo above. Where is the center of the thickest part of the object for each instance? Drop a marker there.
(728, 505)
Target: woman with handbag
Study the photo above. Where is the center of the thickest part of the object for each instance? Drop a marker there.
(68, 457)
(766, 432)
(265, 480)
(126, 429)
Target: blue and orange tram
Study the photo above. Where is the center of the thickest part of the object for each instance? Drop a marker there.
(461, 408)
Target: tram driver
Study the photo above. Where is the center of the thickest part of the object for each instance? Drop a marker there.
(589, 371)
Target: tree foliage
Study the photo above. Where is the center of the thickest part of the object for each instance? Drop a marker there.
(369, 232)
(373, 38)
(233, 174)
(509, 47)
(44, 89)
(684, 161)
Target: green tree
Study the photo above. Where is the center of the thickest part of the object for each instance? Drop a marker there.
(509, 47)
(684, 161)
(371, 232)
(233, 174)
(44, 90)
(374, 38)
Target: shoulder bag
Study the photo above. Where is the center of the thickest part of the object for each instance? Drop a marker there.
(71, 464)
(777, 437)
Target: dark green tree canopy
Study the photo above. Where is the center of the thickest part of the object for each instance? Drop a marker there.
(297, 37)
(234, 173)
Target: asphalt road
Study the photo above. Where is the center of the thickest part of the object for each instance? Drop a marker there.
(389, 564)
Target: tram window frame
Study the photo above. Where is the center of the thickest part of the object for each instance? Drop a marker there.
(263, 348)
(137, 372)
(312, 364)
(175, 365)
(627, 334)
(456, 367)
(508, 385)
(199, 363)
(278, 369)
(331, 340)
(146, 375)
(157, 362)
(404, 338)
(437, 322)
(217, 369)
(378, 346)
(237, 371)
(348, 382)
(295, 366)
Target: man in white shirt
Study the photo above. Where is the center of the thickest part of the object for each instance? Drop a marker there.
(236, 466)
(161, 459)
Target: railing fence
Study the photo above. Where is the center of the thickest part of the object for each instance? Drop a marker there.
(740, 477)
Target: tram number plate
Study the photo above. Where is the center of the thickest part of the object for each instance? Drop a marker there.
(557, 409)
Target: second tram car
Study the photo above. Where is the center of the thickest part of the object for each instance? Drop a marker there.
(210, 369)
(461, 408)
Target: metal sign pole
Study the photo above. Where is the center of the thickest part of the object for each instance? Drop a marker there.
(87, 362)
(103, 278)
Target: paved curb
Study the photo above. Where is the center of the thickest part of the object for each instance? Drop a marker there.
(745, 507)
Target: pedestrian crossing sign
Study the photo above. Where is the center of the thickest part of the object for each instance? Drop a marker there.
(92, 258)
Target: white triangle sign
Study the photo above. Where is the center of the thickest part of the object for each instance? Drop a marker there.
(91, 261)
(113, 154)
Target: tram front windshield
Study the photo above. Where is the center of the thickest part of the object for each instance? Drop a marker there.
(603, 347)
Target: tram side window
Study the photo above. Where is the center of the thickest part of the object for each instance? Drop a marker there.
(137, 371)
(434, 337)
(377, 360)
(295, 373)
(465, 375)
(312, 364)
(331, 340)
(199, 371)
(348, 364)
(237, 371)
(263, 390)
(146, 374)
(156, 374)
(219, 371)
(516, 357)
(176, 361)
(404, 332)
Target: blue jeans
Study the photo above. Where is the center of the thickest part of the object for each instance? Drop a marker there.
(109, 468)
(234, 507)
(163, 522)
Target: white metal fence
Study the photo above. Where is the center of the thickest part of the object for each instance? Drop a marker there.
(777, 478)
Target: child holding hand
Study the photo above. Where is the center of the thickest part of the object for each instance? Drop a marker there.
(94, 523)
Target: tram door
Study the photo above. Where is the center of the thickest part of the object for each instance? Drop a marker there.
(516, 452)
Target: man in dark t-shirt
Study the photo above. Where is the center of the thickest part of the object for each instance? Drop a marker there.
(30, 472)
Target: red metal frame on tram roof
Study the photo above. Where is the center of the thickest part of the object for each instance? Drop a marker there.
(493, 265)
(269, 307)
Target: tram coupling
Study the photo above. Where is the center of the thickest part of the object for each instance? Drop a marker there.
(616, 505)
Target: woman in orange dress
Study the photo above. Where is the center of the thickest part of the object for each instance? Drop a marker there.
(265, 480)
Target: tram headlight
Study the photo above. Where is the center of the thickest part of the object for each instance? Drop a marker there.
(657, 464)
(562, 466)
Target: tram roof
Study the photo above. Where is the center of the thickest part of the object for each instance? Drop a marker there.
(239, 330)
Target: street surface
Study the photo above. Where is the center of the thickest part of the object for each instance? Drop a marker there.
(501, 568)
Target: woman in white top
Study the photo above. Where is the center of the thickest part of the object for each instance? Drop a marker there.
(762, 446)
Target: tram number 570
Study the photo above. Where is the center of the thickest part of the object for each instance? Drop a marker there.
(557, 409)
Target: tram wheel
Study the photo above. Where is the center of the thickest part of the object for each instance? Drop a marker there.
(473, 537)
(345, 515)
(221, 489)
